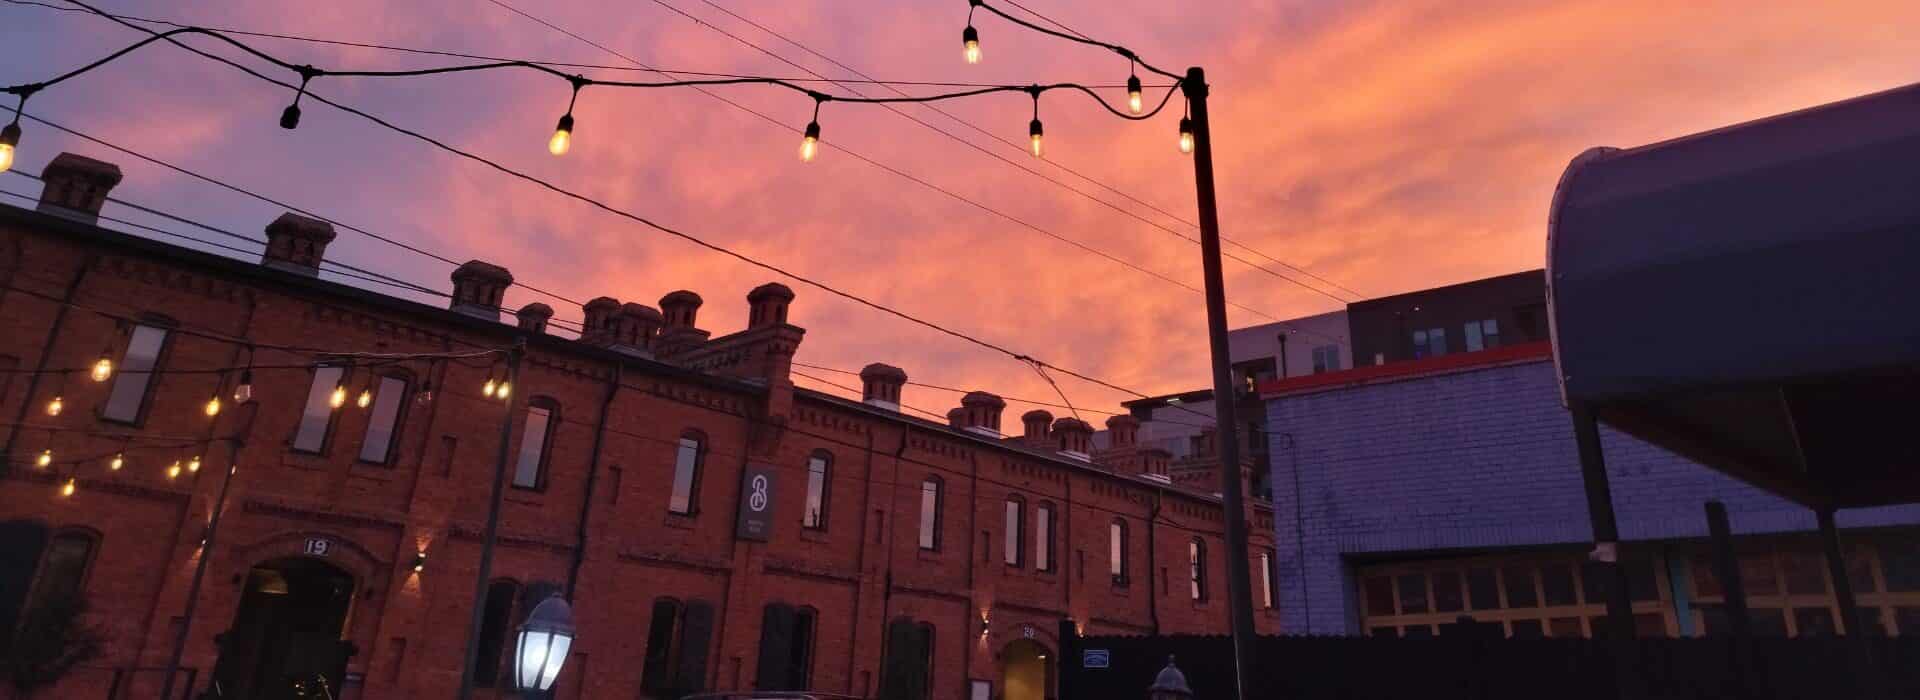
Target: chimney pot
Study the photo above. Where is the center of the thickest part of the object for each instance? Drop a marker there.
(637, 326)
(76, 187)
(679, 308)
(533, 317)
(478, 289)
(982, 411)
(957, 418)
(1037, 422)
(881, 385)
(1123, 429)
(598, 326)
(767, 305)
(297, 243)
(1073, 435)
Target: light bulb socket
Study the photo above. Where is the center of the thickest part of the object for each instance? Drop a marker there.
(566, 124)
(10, 136)
(1133, 85)
(969, 35)
(1033, 128)
(813, 130)
(290, 117)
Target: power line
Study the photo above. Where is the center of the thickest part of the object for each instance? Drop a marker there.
(1017, 147)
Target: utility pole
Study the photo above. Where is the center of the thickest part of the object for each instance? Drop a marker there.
(492, 532)
(1226, 394)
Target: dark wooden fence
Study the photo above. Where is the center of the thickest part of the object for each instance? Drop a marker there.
(1352, 668)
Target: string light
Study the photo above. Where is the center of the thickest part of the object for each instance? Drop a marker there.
(119, 460)
(213, 406)
(56, 405)
(45, 458)
(9, 140)
(173, 470)
(66, 489)
(810, 143)
(490, 388)
(1134, 103)
(1186, 135)
(339, 396)
(290, 117)
(563, 132)
(193, 465)
(501, 392)
(244, 392)
(366, 398)
(425, 395)
(102, 368)
(970, 40)
(1034, 131)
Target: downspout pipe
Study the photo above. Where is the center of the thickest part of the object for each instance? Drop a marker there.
(593, 474)
(1153, 597)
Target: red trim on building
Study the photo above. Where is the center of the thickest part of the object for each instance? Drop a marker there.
(1404, 370)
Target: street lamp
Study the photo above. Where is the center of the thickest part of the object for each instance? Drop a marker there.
(1171, 684)
(542, 646)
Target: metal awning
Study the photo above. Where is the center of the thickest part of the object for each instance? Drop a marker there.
(1750, 297)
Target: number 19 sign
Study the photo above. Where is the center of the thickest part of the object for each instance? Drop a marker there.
(756, 504)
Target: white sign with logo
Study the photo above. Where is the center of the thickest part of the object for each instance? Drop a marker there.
(756, 504)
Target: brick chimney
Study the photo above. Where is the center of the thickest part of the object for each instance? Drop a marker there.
(636, 327)
(881, 385)
(602, 313)
(957, 417)
(478, 289)
(76, 186)
(1122, 431)
(981, 412)
(679, 334)
(1073, 437)
(297, 244)
(1037, 423)
(767, 305)
(533, 317)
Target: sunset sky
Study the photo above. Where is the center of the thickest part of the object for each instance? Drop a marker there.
(1386, 146)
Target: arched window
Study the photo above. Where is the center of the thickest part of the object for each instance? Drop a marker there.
(496, 623)
(1016, 530)
(819, 479)
(1117, 551)
(384, 417)
(1043, 537)
(536, 448)
(676, 655)
(1197, 563)
(786, 648)
(687, 459)
(907, 667)
(41, 579)
(930, 502)
(316, 419)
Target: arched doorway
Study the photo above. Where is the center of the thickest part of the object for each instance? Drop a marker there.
(285, 640)
(1025, 671)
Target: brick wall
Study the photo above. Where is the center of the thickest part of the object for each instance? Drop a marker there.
(1477, 458)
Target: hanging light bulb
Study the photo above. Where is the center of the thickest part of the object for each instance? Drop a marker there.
(193, 465)
(9, 139)
(119, 460)
(366, 398)
(1133, 94)
(102, 368)
(66, 489)
(490, 388)
(1186, 135)
(339, 396)
(1033, 136)
(56, 405)
(810, 144)
(562, 136)
(45, 458)
(425, 395)
(244, 392)
(213, 406)
(502, 391)
(173, 470)
(970, 39)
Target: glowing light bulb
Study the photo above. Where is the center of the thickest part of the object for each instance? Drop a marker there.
(67, 488)
(9, 139)
(366, 398)
(562, 136)
(119, 460)
(489, 388)
(55, 406)
(1186, 135)
(425, 396)
(244, 392)
(102, 369)
(213, 406)
(1033, 135)
(810, 144)
(970, 38)
(45, 458)
(502, 391)
(339, 397)
(1133, 94)
(193, 465)
(173, 470)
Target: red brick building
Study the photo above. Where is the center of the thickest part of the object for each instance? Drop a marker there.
(886, 570)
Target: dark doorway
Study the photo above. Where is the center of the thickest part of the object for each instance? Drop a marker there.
(285, 641)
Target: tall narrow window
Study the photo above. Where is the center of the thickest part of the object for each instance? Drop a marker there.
(686, 474)
(786, 648)
(930, 513)
(1197, 568)
(129, 393)
(382, 423)
(1043, 537)
(1016, 526)
(907, 664)
(815, 517)
(1266, 580)
(656, 675)
(62, 574)
(1117, 550)
(496, 623)
(530, 472)
(317, 418)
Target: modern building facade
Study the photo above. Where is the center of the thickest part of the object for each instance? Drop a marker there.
(1464, 317)
(1412, 493)
(715, 526)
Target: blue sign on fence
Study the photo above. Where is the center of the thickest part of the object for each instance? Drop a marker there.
(1093, 658)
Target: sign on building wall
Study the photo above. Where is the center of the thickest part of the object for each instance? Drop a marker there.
(756, 504)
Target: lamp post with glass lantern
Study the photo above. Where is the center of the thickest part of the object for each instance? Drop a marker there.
(540, 649)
